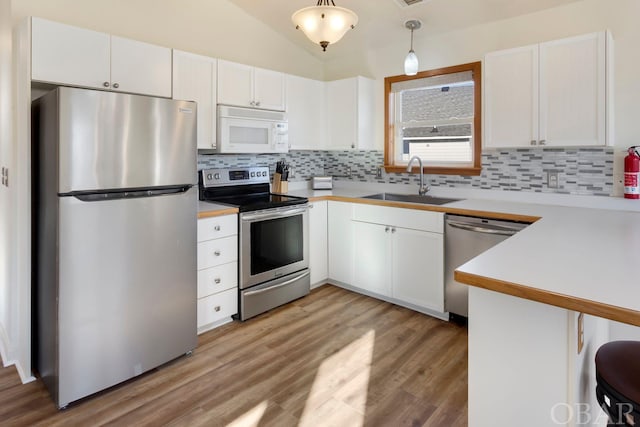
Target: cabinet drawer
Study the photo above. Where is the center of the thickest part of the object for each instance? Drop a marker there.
(217, 307)
(217, 279)
(219, 226)
(217, 252)
(399, 217)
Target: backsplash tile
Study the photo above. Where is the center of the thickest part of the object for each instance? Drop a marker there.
(584, 171)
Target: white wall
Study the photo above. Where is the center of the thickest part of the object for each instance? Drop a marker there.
(7, 285)
(468, 45)
(214, 28)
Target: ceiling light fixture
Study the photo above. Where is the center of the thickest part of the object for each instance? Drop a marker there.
(411, 61)
(324, 23)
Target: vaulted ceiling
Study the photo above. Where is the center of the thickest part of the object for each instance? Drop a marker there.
(382, 21)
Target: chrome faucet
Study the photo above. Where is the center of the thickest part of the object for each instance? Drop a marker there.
(423, 188)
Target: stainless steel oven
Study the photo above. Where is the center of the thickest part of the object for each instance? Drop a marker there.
(273, 246)
(273, 243)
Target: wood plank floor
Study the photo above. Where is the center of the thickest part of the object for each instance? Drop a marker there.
(333, 358)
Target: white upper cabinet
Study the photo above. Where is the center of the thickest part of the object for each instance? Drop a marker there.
(551, 94)
(69, 55)
(139, 67)
(194, 79)
(245, 86)
(350, 111)
(307, 113)
(511, 97)
(74, 56)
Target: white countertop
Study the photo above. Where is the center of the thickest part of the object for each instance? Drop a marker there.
(576, 257)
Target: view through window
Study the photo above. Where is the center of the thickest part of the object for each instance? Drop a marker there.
(436, 116)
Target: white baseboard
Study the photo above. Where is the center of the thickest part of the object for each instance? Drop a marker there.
(24, 377)
(7, 360)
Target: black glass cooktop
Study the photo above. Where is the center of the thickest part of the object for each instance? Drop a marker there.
(256, 202)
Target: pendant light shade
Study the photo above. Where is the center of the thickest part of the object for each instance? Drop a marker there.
(411, 64)
(411, 61)
(324, 23)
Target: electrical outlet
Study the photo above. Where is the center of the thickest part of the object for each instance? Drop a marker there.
(552, 179)
(379, 172)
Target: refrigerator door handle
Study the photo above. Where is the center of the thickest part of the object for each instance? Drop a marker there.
(133, 193)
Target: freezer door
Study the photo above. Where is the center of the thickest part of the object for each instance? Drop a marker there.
(126, 289)
(111, 140)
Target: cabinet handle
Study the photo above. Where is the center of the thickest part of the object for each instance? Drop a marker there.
(311, 206)
(386, 229)
(217, 253)
(116, 85)
(105, 84)
(252, 103)
(393, 230)
(216, 228)
(216, 308)
(217, 281)
(542, 142)
(533, 142)
(257, 103)
(353, 145)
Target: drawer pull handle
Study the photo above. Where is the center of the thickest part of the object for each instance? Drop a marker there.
(217, 281)
(386, 229)
(116, 85)
(393, 230)
(217, 228)
(217, 253)
(216, 308)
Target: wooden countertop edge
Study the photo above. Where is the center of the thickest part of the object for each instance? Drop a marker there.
(580, 305)
(217, 212)
(433, 208)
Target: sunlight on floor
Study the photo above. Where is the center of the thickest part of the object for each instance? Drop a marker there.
(252, 417)
(339, 392)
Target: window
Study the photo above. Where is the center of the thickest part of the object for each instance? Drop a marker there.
(434, 115)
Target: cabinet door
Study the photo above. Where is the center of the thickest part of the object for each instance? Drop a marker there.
(372, 257)
(194, 80)
(318, 248)
(235, 84)
(138, 67)
(511, 97)
(342, 113)
(572, 91)
(366, 113)
(306, 110)
(69, 55)
(418, 268)
(340, 242)
(269, 89)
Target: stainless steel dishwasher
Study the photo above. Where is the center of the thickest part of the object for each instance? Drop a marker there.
(465, 238)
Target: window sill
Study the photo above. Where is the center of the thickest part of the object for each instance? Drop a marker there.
(470, 171)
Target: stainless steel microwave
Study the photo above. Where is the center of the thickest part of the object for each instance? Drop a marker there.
(250, 130)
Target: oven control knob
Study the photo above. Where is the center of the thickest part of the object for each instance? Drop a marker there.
(216, 176)
(264, 173)
(209, 177)
(253, 174)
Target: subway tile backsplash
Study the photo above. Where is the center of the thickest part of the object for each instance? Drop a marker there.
(584, 171)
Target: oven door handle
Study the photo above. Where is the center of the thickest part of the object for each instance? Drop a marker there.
(279, 285)
(272, 215)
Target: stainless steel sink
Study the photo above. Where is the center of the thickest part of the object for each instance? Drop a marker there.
(411, 198)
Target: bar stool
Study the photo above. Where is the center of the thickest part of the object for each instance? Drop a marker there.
(618, 382)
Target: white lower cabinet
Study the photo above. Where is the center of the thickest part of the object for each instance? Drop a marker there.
(390, 253)
(340, 242)
(217, 271)
(318, 262)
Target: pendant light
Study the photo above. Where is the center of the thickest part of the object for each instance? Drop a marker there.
(411, 61)
(324, 23)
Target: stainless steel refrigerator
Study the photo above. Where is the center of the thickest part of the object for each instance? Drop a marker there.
(114, 242)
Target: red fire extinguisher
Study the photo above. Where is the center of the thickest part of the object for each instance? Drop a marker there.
(632, 174)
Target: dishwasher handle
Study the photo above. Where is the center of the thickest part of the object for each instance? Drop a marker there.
(486, 229)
